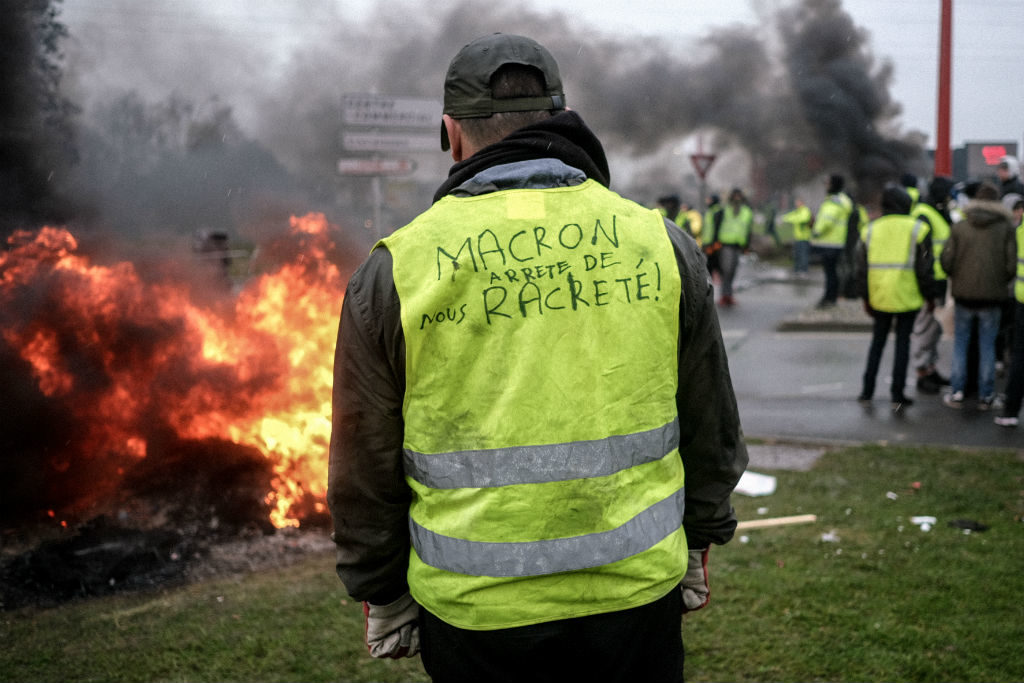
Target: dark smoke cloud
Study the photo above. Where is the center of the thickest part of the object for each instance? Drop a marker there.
(844, 96)
(797, 95)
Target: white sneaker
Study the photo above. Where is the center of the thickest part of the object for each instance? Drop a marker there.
(954, 399)
(1006, 421)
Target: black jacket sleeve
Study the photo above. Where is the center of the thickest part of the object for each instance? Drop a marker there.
(924, 268)
(366, 490)
(711, 439)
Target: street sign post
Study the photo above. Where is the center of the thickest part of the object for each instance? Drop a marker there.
(390, 112)
(701, 163)
(368, 167)
(379, 125)
(403, 141)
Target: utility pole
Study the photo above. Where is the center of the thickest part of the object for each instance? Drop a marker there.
(943, 156)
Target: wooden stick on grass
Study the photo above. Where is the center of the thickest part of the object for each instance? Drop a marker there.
(776, 521)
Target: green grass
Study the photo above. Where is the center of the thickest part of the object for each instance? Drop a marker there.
(885, 602)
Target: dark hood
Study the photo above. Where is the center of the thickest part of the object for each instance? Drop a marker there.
(564, 137)
(983, 213)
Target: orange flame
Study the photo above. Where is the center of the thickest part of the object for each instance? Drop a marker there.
(275, 347)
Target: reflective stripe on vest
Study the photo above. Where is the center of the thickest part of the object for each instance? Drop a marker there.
(892, 281)
(550, 556)
(541, 434)
(538, 464)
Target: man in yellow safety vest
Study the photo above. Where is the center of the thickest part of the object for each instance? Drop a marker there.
(534, 434)
(799, 222)
(894, 269)
(828, 236)
(729, 231)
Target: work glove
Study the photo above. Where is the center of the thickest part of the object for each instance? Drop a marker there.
(694, 585)
(393, 630)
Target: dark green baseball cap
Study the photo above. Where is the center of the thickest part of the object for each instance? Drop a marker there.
(467, 85)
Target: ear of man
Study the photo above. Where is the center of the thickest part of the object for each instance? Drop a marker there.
(455, 138)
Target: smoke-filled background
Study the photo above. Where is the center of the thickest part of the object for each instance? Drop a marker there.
(139, 126)
(171, 117)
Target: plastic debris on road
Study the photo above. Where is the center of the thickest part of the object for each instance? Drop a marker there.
(924, 521)
(755, 484)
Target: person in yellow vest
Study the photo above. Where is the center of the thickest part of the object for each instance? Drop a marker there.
(1015, 376)
(731, 228)
(856, 223)
(924, 342)
(909, 182)
(712, 209)
(828, 236)
(534, 432)
(680, 213)
(799, 222)
(669, 207)
(692, 220)
(894, 273)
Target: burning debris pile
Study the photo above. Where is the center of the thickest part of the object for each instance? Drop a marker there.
(160, 416)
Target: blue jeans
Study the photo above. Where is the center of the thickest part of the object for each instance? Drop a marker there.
(988, 328)
(801, 256)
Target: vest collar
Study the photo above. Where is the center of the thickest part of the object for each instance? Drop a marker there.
(533, 174)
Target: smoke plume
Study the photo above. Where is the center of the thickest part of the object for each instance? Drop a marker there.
(194, 117)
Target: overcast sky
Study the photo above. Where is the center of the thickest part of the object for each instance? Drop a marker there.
(988, 36)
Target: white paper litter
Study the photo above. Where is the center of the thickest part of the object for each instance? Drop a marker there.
(755, 484)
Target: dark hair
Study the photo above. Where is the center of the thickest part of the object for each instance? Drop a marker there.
(836, 183)
(510, 80)
(939, 189)
(987, 190)
(896, 200)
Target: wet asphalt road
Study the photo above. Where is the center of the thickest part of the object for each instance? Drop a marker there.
(801, 385)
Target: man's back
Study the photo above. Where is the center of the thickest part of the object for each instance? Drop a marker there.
(980, 256)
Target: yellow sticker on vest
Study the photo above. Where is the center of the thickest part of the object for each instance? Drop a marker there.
(520, 205)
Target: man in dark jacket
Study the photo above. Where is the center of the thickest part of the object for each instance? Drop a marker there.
(980, 259)
(1008, 172)
(518, 373)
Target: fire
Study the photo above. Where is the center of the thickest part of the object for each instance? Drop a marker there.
(125, 355)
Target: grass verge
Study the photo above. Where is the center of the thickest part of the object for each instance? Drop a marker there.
(863, 594)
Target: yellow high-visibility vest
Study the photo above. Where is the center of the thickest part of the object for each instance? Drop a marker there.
(800, 220)
(830, 224)
(940, 233)
(736, 225)
(541, 430)
(891, 243)
(1018, 285)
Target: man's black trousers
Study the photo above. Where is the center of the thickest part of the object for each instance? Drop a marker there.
(637, 645)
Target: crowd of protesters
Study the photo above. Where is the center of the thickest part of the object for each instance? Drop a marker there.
(928, 246)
